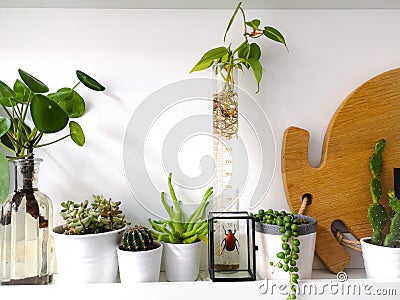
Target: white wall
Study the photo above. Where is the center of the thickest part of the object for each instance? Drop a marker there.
(136, 52)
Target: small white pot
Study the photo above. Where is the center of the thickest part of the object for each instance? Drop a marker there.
(140, 266)
(380, 262)
(89, 258)
(182, 261)
(269, 243)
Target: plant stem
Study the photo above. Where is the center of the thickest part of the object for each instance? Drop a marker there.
(76, 85)
(60, 139)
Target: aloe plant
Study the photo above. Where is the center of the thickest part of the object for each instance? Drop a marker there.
(49, 113)
(180, 229)
(247, 54)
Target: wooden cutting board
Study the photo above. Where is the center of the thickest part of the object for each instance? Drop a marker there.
(339, 187)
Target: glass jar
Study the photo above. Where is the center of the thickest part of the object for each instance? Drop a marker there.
(226, 147)
(26, 248)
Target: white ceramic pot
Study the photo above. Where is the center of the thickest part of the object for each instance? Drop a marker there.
(89, 258)
(182, 261)
(140, 266)
(269, 243)
(380, 262)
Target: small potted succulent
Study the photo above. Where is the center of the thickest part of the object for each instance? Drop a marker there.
(381, 251)
(85, 244)
(139, 256)
(286, 243)
(182, 237)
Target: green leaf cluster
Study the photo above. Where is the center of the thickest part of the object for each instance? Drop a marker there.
(29, 99)
(50, 113)
(247, 54)
(179, 229)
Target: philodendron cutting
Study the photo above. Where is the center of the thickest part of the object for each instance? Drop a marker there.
(247, 54)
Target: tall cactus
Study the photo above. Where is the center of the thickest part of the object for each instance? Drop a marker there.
(137, 238)
(377, 214)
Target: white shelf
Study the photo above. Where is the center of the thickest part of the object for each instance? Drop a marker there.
(202, 4)
(323, 285)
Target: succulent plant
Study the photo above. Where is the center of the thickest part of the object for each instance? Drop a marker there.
(103, 215)
(137, 238)
(377, 214)
(181, 229)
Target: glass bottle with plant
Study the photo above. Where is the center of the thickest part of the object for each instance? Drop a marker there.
(26, 215)
(225, 62)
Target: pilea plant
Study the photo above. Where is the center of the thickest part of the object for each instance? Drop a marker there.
(287, 258)
(137, 238)
(247, 54)
(101, 216)
(32, 113)
(377, 214)
(179, 229)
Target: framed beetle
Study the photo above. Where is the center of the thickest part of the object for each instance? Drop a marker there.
(230, 242)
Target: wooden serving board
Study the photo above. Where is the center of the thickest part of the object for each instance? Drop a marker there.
(339, 187)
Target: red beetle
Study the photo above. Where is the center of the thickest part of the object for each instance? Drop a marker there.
(230, 242)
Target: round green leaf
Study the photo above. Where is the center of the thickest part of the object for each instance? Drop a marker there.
(5, 125)
(70, 101)
(6, 91)
(33, 83)
(47, 115)
(6, 95)
(4, 178)
(89, 82)
(76, 133)
(22, 92)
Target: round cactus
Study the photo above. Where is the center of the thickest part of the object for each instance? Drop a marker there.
(137, 238)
